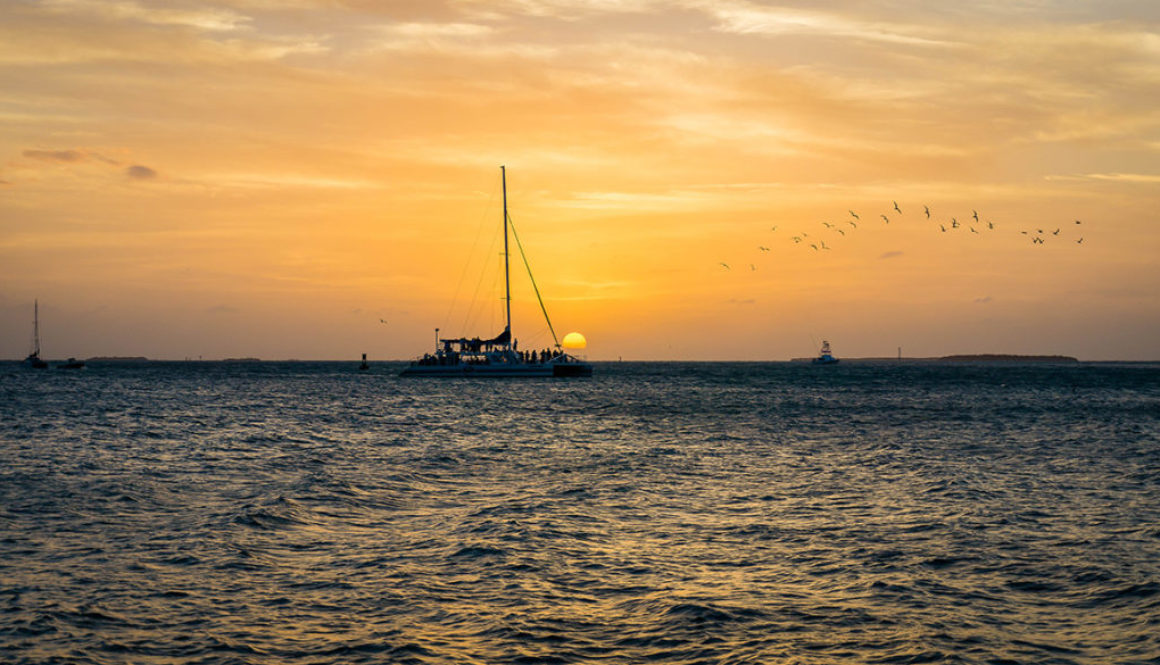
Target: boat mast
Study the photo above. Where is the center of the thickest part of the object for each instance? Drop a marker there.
(36, 328)
(507, 284)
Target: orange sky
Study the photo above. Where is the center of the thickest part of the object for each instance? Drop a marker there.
(272, 179)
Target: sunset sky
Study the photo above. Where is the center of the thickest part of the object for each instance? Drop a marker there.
(317, 179)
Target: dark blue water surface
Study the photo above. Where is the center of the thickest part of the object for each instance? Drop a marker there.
(671, 513)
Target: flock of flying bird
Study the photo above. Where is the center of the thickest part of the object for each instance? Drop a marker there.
(854, 223)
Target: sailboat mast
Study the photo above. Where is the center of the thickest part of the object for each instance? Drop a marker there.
(36, 327)
(507, 284)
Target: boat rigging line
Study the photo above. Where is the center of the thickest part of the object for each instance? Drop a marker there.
(535, 288)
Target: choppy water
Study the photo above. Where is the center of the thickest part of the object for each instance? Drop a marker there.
(674, 513)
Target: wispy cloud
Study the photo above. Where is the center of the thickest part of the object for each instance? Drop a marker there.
(207, 19)
(453, 36)
(76, 158)
(678, 200)
(281, 181)
(55, 155)
(469, 40)
(564, 10)
(436, 30)
(1133, 178)
(754, 19)
(71, 31)
(1125, 177)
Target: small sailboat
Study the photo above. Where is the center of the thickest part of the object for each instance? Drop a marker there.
(499, 356)
(825, 357)
(33, 360)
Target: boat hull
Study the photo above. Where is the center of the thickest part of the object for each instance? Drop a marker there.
(572, 369)
(506, 371)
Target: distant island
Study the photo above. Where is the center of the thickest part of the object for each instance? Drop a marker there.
(1007, 358)
(117, 359)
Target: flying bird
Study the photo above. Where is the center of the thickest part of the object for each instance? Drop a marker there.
(853, 224)
(752, 267)
(896, 207)
(1077, 221)
(926, 209)
(990, 225)
(840, 231)
(828, 225)
(972, 229)
(824, 245)
(854, 215)
(763, 248)
(954, 223)
(773, 228)
(382, 320)
(975, 215)
(1055, 232)
(797, 239)
(1079, 242)
(814, 246)
(944, 229)
(726, 265)
(886, 219)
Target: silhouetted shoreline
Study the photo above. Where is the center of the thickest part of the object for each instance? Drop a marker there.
(961, 358)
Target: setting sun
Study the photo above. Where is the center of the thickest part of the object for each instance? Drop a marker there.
(574, 340)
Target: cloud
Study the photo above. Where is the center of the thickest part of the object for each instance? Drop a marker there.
(433, 30)
(118, 33)
(470, 40)
(272, 180)
(891, 255)
(139, 172)
(747, 301)
(746, 18)
(984, 300)
(1144, 178)
(209, 20)
(78, 157)
(566, 10)
(55, 155)
(672, 200)
(67, 156)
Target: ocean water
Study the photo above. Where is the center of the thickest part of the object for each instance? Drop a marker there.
(656, 513)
